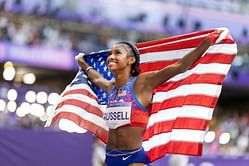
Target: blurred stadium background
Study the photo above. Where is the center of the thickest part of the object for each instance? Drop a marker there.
(38, 42)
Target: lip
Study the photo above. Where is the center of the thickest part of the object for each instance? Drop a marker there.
(112, 63)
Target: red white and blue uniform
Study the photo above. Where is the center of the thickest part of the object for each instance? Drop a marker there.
(124, 109)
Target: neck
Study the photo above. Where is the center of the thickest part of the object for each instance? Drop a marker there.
(121, 79)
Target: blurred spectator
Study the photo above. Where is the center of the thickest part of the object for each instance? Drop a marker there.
(98, 158)
(178, 160)
(244, 38)
(25, 32)
(35, 33)
(236, 123)
(25, 122)
(197, 25)
(181, 26)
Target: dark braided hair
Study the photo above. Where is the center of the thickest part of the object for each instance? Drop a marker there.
(135, 70)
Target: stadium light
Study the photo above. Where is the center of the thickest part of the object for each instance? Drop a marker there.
(53, 98)
(12, 94)
(49, 110)
(30, 96)
(25, 107)
(42, 97)
(224, 138)
(37, 110)
(11, 106)
(8, 64)
(23, 110)
(9, 73)
(29, 78)
(209, 137)
(2, 105)
(19, 112)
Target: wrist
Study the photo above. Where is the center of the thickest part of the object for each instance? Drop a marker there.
(88, 69)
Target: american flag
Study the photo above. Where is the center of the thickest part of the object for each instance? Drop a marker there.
(182, 106)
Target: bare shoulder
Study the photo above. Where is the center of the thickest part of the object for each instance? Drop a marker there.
(143, 88)
(145, 79)
(146, 76)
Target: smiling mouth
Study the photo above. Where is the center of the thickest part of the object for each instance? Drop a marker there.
(111, 63)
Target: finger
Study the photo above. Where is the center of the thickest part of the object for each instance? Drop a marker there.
(79, 56)
(218, 31)
(213, 37)
(224, 32)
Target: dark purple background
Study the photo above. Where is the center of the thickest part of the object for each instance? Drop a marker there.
(50, 148)
(209, 161)
(44, 148)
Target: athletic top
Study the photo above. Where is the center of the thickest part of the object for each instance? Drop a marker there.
(123, 108)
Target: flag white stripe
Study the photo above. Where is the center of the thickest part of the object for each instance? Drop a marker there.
(179, 41)
(84, 115)
(79, 87)
(184, 90)
(164, 55)
(190, 111)
(82, 98)
(178, 54)
(176, 135)
(176, 41)
(223, 49)
(210, 68)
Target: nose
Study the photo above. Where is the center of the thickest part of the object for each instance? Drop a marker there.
(110, 57)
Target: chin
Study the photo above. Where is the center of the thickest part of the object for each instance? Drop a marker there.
(112, 66)
(112, 70)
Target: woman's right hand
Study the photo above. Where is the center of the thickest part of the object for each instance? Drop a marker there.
(95, 77)
(80, 59)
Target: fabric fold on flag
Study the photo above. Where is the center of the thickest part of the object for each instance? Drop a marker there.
(182, 106)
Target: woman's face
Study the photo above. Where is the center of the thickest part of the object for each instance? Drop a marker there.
(119, 58)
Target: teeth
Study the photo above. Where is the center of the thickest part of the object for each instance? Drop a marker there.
(112, 63)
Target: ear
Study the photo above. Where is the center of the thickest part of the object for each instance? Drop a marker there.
(132, 60)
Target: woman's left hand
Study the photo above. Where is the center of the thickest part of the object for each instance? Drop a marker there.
(213, 36)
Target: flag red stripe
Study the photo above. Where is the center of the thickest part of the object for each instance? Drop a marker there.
(179, 123)
(198, 100)
(215, 58)
(84, 105)
(208, 58)
(92, 127)
(228, 41)
(192, 79)
(190, 148)
(173, 38)
(152, 66)
(141, 46)
(177, 45)
(80, 91)
(172, 46)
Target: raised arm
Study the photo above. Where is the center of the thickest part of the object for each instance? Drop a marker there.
(153, 79)
(93, 75)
